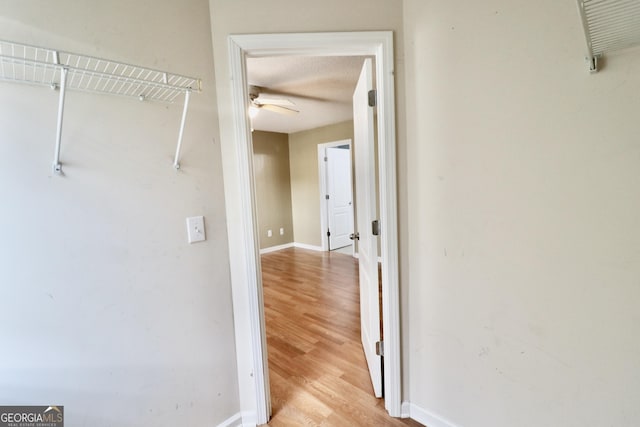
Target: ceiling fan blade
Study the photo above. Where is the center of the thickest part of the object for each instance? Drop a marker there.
(274, 101)
(296, 94)
(278, 109)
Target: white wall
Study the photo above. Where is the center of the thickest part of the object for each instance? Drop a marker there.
(105, 308)
(523, 204)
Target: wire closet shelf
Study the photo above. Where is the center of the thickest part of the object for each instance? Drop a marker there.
(609, 25)
(64, 70)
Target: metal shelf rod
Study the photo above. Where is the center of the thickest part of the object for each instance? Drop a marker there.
(176, 163)
(57, 167)
(591, 58)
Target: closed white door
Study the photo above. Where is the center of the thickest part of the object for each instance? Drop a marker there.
(363, 146)
(340, 202)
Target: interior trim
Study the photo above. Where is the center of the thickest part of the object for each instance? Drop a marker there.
(249, 310)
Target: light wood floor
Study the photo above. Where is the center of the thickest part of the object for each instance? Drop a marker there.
(317, 368)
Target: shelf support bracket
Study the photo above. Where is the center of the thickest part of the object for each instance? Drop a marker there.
(593, 63)
(187, 96)
(57, 167)
(592, 59)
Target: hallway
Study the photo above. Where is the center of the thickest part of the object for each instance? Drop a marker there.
(317, 369)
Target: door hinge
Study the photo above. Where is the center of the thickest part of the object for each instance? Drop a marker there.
(328, 233)
(372, 98)
(326, 197)
(375, 228)
(326, 159)
(380, 348)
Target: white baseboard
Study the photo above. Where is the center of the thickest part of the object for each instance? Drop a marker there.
(233, 421)
(249, 419)
(276, 248)
(297, 245)
(309, 247)
(241, 419)
(409, 410)
(291, 245)
(405, 411)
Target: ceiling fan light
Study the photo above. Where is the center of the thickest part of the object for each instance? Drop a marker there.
(253, 111)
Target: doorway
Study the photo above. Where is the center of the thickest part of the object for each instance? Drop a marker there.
(245, 262)
(336, 196)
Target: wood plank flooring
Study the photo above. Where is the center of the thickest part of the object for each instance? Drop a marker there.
(317, 369)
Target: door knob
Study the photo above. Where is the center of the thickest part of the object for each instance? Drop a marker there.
(354, 236)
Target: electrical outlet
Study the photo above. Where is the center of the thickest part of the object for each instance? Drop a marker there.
(282, 231)
(269, 233)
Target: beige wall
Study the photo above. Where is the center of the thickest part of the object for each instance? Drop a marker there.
(106, 309)
(523, 207)
(273, 187)
(517, 177)
(305, 185)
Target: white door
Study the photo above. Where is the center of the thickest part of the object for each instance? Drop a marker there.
(340, 203)
(365, 214)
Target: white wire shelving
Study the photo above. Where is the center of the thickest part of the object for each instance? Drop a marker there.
(69, 71)
(609, 25)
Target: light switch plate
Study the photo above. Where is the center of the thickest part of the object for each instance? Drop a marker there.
(195, 229)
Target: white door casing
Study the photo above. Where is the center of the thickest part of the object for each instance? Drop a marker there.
(241, 212)
(363, 143)
(340, 201)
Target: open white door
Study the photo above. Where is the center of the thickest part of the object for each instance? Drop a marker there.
(340, 203)
(365, 215)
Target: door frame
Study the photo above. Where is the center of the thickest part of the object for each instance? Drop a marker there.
(324, 187)
(246, 280)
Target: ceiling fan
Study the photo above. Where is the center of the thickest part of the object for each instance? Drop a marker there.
(260, 101)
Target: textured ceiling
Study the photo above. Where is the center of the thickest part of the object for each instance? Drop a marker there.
(320, 87)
